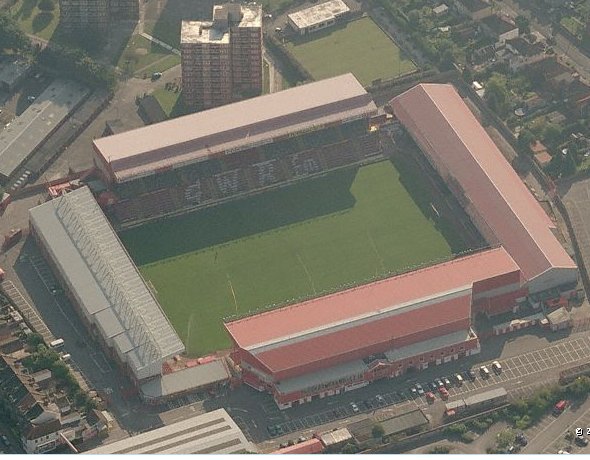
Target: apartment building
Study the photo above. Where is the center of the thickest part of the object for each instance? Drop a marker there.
(222, 58)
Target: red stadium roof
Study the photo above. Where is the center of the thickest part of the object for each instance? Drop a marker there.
(449, 133)
(254, 121)
(361, 306)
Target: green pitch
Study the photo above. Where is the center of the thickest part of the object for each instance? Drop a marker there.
(359, 46)
(323, 234)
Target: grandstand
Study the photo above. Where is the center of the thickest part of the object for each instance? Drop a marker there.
(212, 156)
(345, 340)
(103, 282)
(498, 202)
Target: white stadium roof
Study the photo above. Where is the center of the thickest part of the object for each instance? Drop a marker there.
(211, 433)
(105, 282)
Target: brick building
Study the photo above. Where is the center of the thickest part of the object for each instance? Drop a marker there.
(222, 58)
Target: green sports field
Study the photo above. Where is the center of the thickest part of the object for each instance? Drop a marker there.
(319, 235)
(358, 46)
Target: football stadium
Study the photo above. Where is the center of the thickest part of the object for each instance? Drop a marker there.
(275, 236)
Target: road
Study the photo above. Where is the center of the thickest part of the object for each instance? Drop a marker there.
(563, 45)
(275, 77)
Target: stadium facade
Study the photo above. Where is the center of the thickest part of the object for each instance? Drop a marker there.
(253, 145)
(342, 341)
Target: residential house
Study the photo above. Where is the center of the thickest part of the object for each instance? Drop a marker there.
(540, 152)
(499, 27)
(440, 10)
(474, 9)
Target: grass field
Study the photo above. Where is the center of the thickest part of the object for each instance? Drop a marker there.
(359, 46)
(312, 237)
(141, 55)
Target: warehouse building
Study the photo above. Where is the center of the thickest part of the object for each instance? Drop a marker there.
(27, 132)
(211, 433)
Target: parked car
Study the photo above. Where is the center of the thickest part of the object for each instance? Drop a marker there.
(497, 367)
(439, 383)
(559, 407)
(470, 374)
(581, 441)
(444, 393)
(484, 371)
(459, 379)
(419, 389)
(447, 383)
(433, 386)
(430, 397)
(380, 398)
(522, 439)
(414, 392)
(354, 407)
(156, 76)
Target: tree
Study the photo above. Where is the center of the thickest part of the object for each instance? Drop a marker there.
(552, 134)
(468, 75)
(580, 387)
(496, 94)
(568, 166)
(33, 340)
(414, 19)
(60, 370)
(523, 25)
(505, 438)
(46, 5)
(377, 432)
(350, 448)
(11, 37)
(525, 139)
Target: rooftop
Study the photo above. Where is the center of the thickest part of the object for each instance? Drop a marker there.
(110, 291)
(499, 24)
(202, 32)
(432, 285)
(475, 5)
(185, 379)
(233, 127)
(319, 13)
(12, 68)
(211, 433)
(29, 130)
(449, 133)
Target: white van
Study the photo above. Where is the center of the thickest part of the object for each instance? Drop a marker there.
(497, 367)
(58, 343)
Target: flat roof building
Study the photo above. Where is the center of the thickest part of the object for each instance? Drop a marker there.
(318, 17)
(13, 69)
(98, 274)
(27, 132)
(211, 433)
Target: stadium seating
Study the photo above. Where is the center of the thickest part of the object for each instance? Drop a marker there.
(230, 175)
